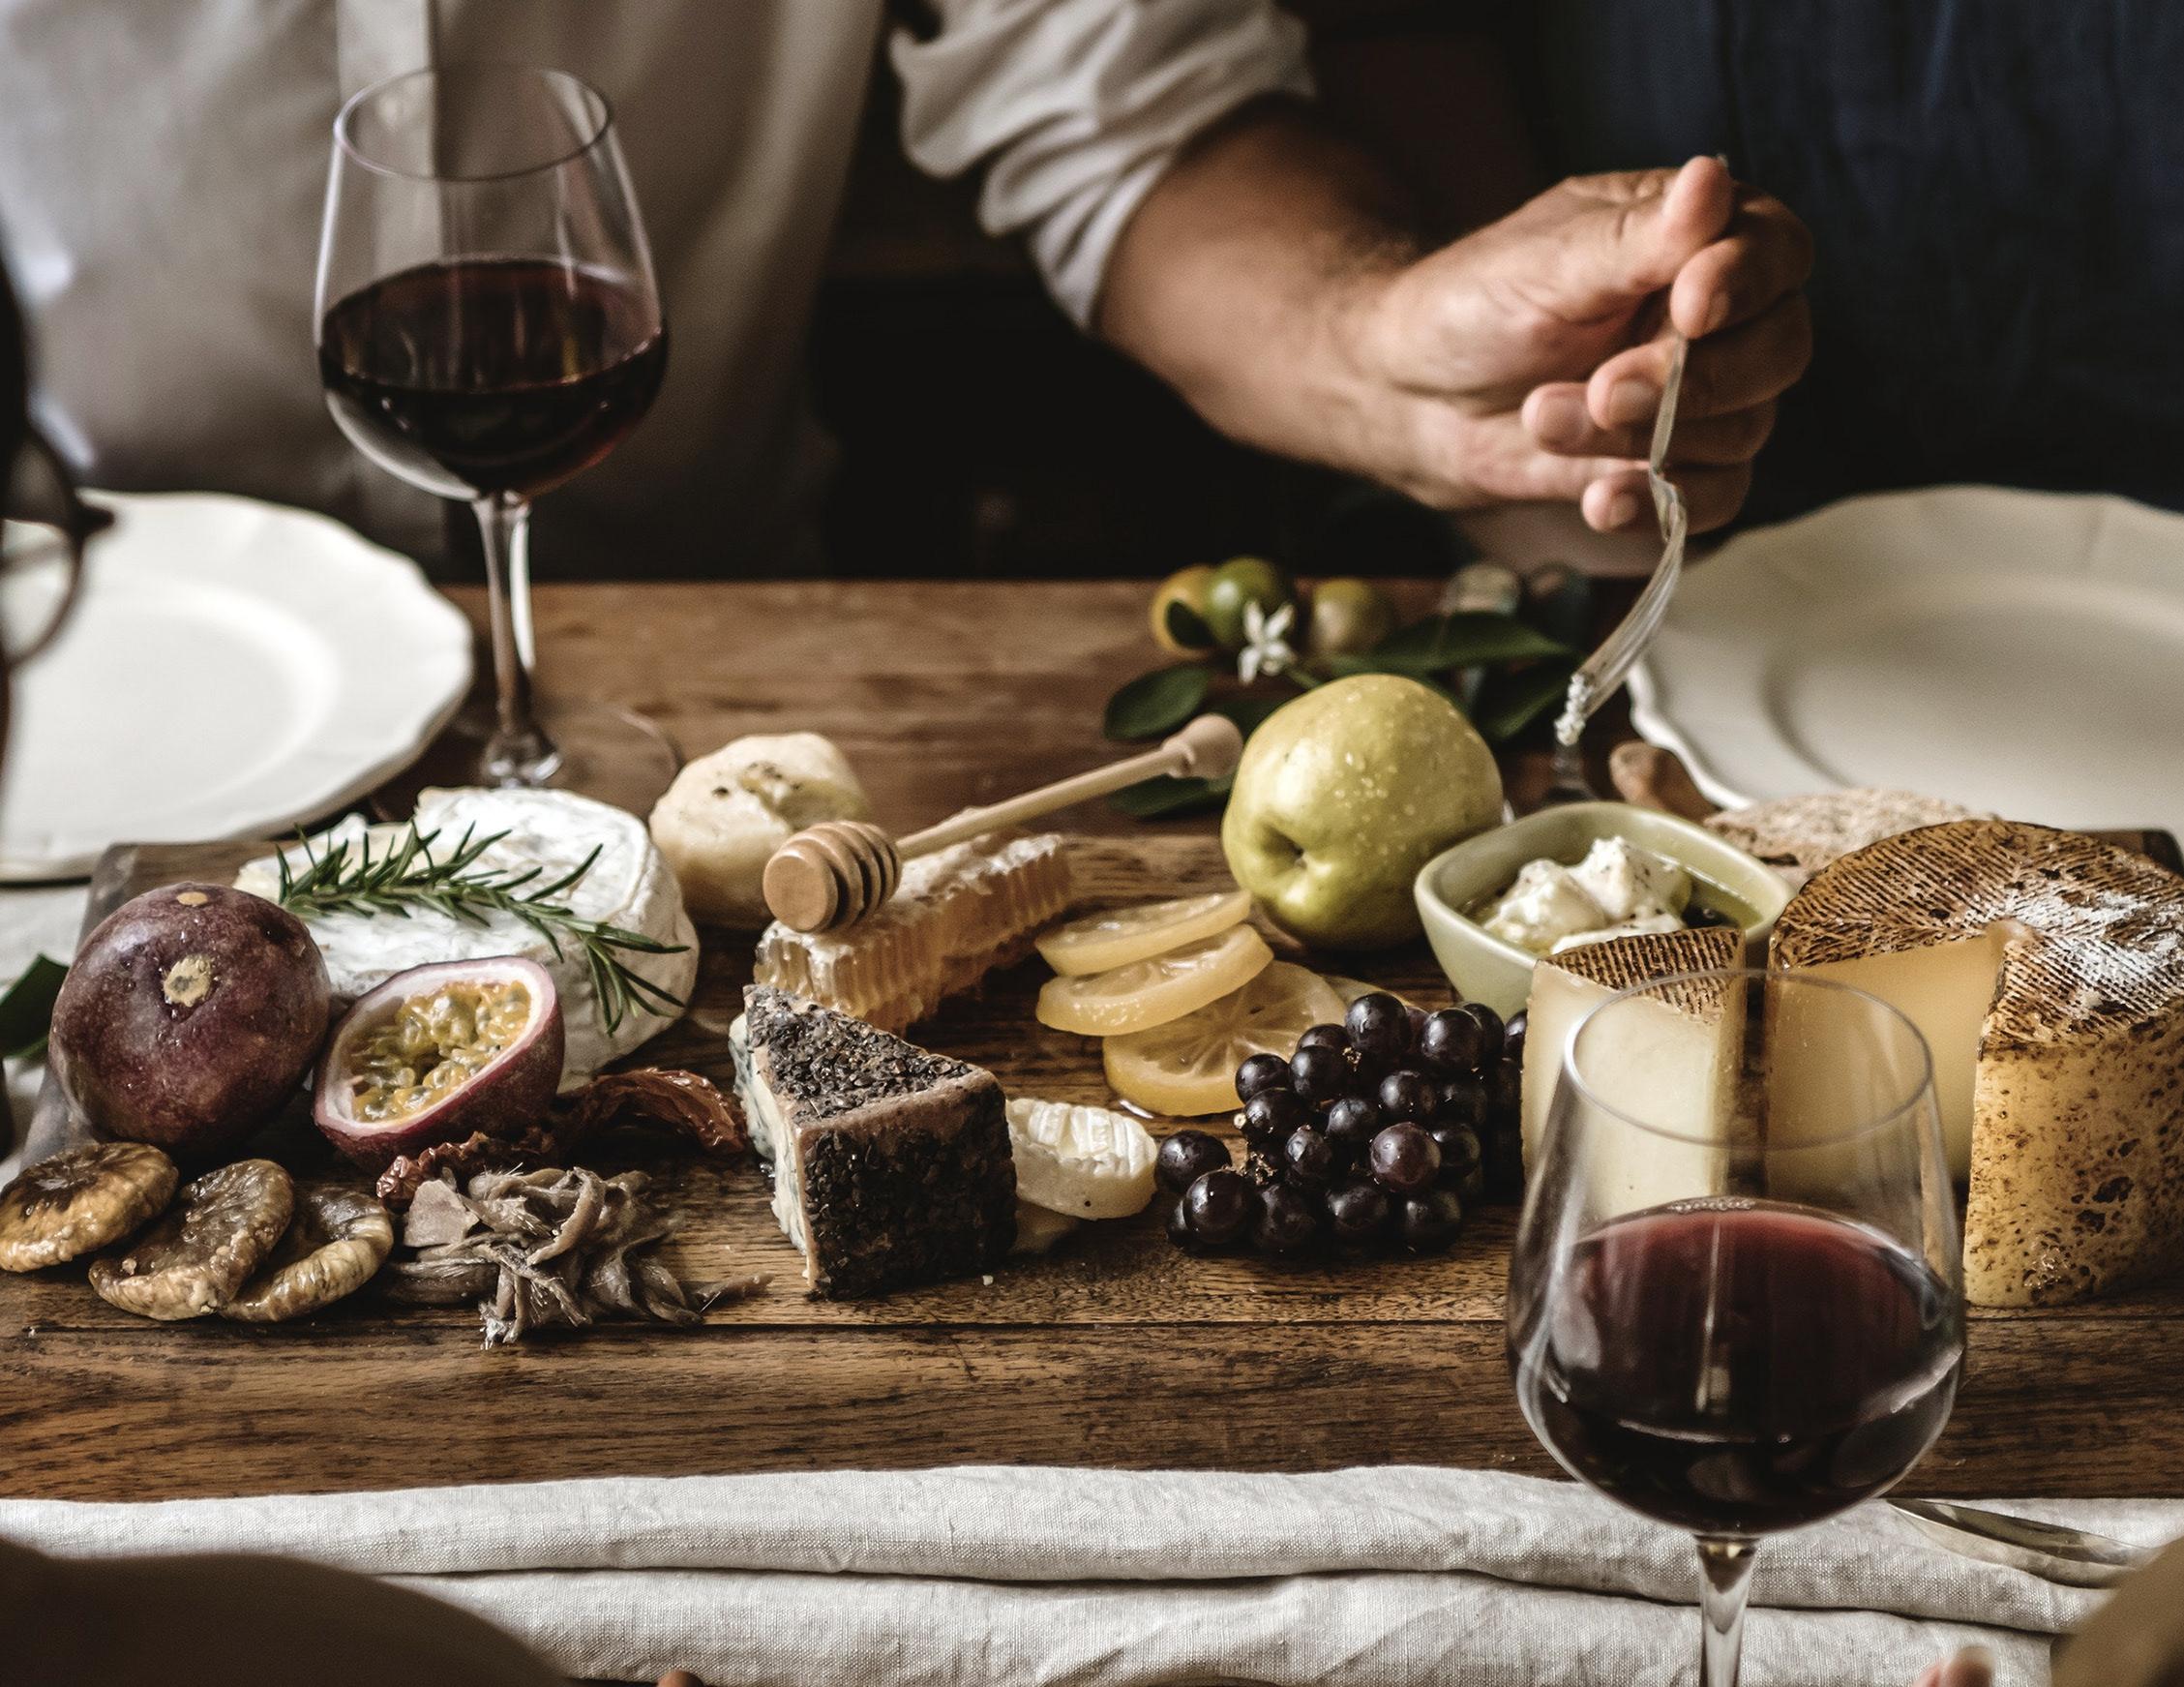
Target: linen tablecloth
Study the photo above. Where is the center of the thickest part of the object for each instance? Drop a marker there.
(1098, 1579)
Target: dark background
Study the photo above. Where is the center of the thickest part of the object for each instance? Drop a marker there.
(983, 435)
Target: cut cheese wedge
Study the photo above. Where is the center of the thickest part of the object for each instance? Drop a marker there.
(1090, 1163)
(1669, 1060)
(2046, 971)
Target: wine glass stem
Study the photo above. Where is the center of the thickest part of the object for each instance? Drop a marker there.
(1725, 1582)
(519, 752)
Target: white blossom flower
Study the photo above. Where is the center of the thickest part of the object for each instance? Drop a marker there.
(1266, 643)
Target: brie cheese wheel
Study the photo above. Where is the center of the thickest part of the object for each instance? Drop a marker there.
(629, 886)
(2046, 971)
(725, 813)
(1669, 1060)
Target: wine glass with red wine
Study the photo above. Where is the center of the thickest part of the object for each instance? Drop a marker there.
(489, 327)
(1735, 1298)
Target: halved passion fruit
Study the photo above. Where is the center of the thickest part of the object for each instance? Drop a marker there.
(439, 1052)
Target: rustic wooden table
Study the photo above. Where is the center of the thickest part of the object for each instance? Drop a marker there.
(1115, 1351)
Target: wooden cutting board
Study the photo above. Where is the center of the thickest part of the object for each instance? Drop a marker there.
(1115, 1351)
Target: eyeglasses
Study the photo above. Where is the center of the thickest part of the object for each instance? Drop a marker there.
(42, 542)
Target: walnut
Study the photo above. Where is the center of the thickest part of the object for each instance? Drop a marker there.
(81, 1201)
(336, 1240)
(682, 1100)
(193, 1260)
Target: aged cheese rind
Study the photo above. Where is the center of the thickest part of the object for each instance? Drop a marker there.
(2076, 1132)
(629, 886)
(958, 914)
(892, 1165)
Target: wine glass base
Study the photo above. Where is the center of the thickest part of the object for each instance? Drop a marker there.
(610, 754)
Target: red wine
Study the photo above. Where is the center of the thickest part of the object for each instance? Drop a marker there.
(1739, 1368)
(491, 375)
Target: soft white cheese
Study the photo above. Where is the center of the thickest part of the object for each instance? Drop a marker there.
(1617, 891)
(629, 886)
(1543, 906)
(1629, 883)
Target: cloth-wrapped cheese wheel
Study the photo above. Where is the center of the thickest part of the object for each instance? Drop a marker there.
(2046, 971)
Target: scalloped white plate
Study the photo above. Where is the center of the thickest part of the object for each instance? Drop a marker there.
(231, 668)
(2019, 653)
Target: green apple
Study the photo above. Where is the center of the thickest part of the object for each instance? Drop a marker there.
(1343, 795)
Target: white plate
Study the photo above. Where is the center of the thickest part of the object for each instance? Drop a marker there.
(2019, 652)
(231, 668)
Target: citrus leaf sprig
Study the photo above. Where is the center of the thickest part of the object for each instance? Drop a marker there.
(345, 878)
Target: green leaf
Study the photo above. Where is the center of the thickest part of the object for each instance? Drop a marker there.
(1188, 628)
(1462, 641)
(1157, 703)
(1249, 711)
(1514, 701)
(27, 1009)
(1166, 796)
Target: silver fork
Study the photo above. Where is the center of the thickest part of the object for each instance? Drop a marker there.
(1606, 668)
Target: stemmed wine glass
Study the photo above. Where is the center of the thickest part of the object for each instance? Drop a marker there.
(1735, 1298)
(488, 326)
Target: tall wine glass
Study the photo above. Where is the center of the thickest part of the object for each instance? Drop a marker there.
(488, 326)
(1735, 1298)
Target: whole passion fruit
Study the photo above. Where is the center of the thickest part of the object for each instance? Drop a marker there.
(439, 1052)
(190, 1016)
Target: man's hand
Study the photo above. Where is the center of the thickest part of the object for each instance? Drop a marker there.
(1271, 277)
(1526, 361)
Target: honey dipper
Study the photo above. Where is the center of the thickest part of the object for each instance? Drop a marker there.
(835, 873)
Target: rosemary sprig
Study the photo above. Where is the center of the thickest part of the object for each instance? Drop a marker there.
(347, 878)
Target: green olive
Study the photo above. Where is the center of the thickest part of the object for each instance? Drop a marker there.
(1236, 585)
(1349, 617)
(1184, 589)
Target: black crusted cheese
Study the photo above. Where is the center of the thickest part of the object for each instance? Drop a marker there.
(895, 1161)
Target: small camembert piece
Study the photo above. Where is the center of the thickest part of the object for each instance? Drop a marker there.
(1670, 1061)
(2046, 971)
(891, 1164)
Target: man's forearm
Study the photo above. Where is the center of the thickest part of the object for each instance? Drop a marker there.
(1241, 278)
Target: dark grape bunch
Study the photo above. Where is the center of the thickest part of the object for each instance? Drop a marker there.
(1379, 1130)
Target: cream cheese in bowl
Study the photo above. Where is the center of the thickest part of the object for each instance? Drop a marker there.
(1619, 889)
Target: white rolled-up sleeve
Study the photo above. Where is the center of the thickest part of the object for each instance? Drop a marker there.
(1074, 108)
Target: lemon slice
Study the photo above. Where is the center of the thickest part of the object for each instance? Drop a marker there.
(1187, 1067)
(1119, 936)
(1155, 990)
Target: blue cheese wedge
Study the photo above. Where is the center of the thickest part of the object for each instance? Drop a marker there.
(891, 1164)
(629, 886)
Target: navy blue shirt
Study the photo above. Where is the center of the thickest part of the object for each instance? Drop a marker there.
(1997, 189)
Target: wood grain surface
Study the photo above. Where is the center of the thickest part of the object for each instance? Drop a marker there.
(1115, 1351)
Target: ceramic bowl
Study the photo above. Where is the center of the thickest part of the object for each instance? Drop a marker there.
(1485, 968)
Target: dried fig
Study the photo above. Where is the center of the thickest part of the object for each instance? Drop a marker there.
(194, 1259)
(333, 1245)
(80, 1200)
